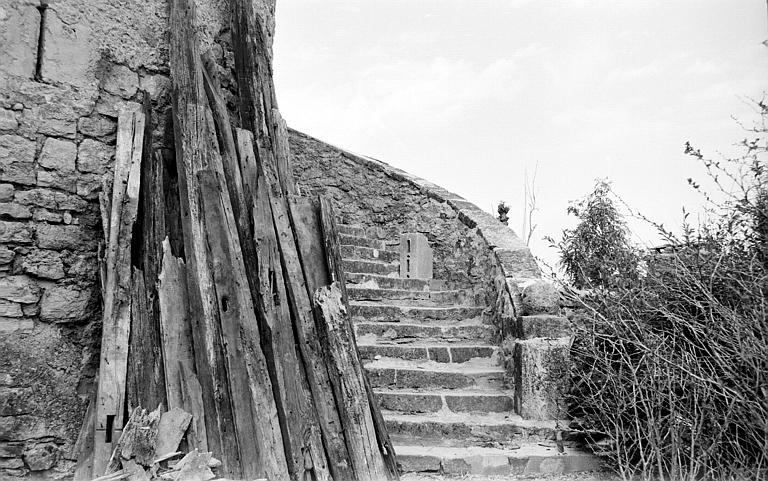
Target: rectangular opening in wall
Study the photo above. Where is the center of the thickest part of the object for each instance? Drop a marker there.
(43, 8)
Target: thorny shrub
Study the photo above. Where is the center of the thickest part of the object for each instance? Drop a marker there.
(670, 375)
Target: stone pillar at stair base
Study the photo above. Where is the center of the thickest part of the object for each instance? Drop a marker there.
(540, 368)
(415, 256)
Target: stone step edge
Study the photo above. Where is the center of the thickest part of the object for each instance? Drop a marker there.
(472, 419)
(471, 368)
(359, 287)
(529, 458)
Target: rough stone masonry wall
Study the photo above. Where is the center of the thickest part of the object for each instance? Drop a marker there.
(472, 249)
(66, 67)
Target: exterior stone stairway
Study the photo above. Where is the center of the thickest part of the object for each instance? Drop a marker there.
(436, 371)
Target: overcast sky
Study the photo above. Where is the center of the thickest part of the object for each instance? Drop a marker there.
(470, 93)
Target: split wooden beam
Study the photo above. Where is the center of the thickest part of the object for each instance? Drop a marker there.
(346, 332)
(298, 417)
(181, 383)
(116, 320)
(241, 416)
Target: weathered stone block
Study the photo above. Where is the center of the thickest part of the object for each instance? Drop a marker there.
(6, 255)
(10, 309)
(6, 192)
(65, 304)
(60, 180)
(12, 463)
(540, 297)
(157, 86)
(50, 110)
(96, 126)
(51, 199)
(94, 156)
(41, 457)
(44, 263)
(69, 54)
(121, 81)
(15, 232)
(17, 159)
(43, 215)
(11, 324)
(89, 186)
(540, 370)
(8, 120)
(20, 289)
(19, 31)
(58, 155)
(58, 237)
(17, 211)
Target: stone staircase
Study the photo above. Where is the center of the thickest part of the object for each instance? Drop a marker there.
(436, 369)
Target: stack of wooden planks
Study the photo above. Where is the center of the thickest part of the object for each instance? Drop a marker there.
(223, 291)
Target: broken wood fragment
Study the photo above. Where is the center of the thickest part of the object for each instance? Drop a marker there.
(137, 441)
(173, 424)
(181, 384)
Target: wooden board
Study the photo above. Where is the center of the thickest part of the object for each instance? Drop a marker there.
(348, 384)
(301, 432)
(182, 385)
(255, 413)
(110, 404)
(336, 272)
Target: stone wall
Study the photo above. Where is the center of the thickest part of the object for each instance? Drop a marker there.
(66, 69)
(472, 249)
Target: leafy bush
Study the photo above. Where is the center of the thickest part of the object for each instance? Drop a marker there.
(597, 253)
(670, 371)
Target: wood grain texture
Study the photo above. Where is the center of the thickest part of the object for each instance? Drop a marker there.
(110, 403)
(301, 432)
(336, 272)
(182, 386)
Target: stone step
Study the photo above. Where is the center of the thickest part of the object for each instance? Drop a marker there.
(403, 374)
(525, 459)
(371, 267)
(437, 298)
(353, 230)
(352, 240)
(545, 325)
(384, 282)
(442, 353)
(369, 253)
(362, 310)
(466, 429)
(404, 333)
(410, 401)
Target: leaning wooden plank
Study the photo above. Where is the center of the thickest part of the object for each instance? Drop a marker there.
(305, 215)
(83, 448)
(348, 383)
(195, 150)
(152, 233)
(336, 271)
(257, 100)
(301, 432)
(145, 385)
(116, 313)
(176, 341)
(255, 413)
(283, 153)
(304, 322)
